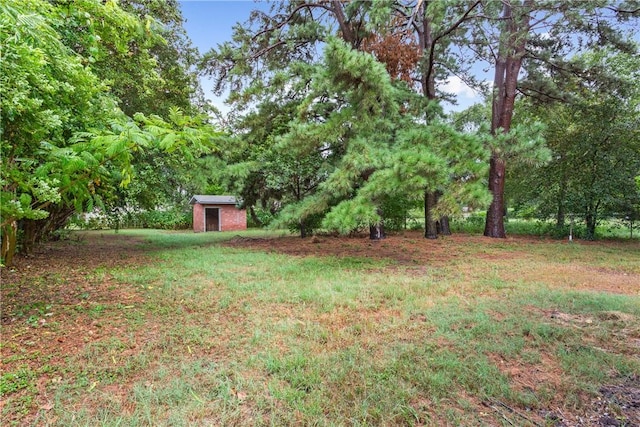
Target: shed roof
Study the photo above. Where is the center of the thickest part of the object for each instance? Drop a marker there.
(212, 200)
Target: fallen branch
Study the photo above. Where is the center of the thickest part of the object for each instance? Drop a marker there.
(491, 403)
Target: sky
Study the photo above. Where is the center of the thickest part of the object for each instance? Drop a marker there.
(210, 22)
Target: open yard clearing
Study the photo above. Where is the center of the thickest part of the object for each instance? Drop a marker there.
(175, 328)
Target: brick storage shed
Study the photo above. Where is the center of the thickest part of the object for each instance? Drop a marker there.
(217, 213)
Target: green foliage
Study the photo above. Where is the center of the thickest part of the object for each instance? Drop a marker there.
(264, 171)
(10, 382)
(545, 41)
(65, 144)
(524, 144)
(138, 48)
(165, 220)
(474, 224)
(592, 171)
(382, 155)
(47, 96)
(255, 64)
(397, 211)
(89, 222)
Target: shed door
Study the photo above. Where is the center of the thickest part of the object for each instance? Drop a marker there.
(212, 219)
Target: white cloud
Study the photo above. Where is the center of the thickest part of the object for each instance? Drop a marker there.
(459, 88)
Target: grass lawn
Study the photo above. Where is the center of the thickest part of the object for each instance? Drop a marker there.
(157, 328)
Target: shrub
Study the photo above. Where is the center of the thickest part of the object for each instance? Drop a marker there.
(264, 217)
(161, 219)
(171, 219)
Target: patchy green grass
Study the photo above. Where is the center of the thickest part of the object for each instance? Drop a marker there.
(468, 332)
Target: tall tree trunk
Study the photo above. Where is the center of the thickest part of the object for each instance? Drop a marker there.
(591, 219)
(494, 225)
(376, 231)
(430, 227)
(28, 235)
(443, 222)
(444, 228)
(428, 43)
(303, 229)
(9, 242)
(254, 216)
(560, 215)
(508, 63)
(428, 84)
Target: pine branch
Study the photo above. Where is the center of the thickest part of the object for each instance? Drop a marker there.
(527, 91)
(289, 18)
(626, 12)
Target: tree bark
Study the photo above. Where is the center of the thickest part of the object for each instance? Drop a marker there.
(430, 227)
(37, 231)
(28, 236)
(560, 215)
(428, 84)
(9, 242)
(444, 228)
(349, 34)
(376, 232)
(591, 219)
(254, 217)
(494, 225)
(428, 42)
(508, 64)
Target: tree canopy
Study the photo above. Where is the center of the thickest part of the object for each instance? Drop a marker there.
(593, 169)
(530, 47)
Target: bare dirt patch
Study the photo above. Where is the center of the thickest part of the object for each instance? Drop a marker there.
(616, 405)
(407, 248)
(69, 273)
(417, 255)
(51, 300)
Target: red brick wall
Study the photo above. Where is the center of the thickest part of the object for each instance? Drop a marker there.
(198, 218)
(231, 218)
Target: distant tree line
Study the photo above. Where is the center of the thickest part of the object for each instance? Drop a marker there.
(337, 120)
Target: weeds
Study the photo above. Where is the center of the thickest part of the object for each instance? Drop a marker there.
(224, 335)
